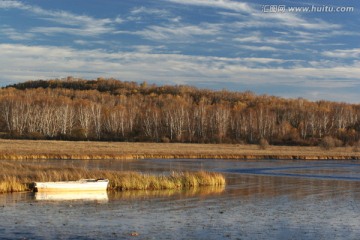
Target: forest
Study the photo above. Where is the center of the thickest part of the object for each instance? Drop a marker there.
(113, 110)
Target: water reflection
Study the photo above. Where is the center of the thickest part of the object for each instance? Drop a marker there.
(251, 186)
(203, 192)
(104, 196)
(7, 199)
(319, 170)
(66, 196)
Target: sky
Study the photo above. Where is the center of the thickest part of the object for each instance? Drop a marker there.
(291, 49)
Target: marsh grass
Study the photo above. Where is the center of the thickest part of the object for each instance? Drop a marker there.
(43, 149)
(17, 177)
(12, 184)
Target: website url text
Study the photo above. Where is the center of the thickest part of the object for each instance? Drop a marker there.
(312, 9)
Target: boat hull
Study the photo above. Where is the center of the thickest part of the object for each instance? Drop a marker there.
(81, 185)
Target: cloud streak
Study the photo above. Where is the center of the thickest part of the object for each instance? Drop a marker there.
(343, 53)
(13, 34)
(224, 4)
(178, 32)
(74, 24)
(49, 62)
(256, 17)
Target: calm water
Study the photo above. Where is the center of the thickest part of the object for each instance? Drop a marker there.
(262, 200)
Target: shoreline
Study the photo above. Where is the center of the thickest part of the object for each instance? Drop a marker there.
(89, 150)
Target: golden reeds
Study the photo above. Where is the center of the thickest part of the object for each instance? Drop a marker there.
(16, 177)
(29, 149)
(177, 180)
(12, 184)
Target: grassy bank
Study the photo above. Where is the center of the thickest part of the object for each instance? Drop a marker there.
(28, 149)
(16, 177)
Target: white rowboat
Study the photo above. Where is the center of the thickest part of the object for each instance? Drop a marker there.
(81, 185)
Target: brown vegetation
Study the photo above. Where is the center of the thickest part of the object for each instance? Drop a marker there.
(46, 149)
(356, 147)
(263, 144)
(329, 143)
(112, 110)
(16, 176)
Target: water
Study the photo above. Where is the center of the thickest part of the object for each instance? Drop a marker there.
(262, 200)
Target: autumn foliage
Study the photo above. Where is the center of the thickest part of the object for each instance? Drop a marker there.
(112, 110)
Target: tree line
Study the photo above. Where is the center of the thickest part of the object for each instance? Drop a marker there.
(112, 110)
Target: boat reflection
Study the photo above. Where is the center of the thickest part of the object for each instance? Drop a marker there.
(66, 196)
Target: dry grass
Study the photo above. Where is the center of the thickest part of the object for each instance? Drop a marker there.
(136, 181)
(16, 177)
(28, 149)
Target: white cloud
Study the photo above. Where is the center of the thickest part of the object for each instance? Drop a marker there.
(81, 42)
(253, 16)
(178, 32)
(150, 11)
(10, 4)
(258, 38)
(255, 39)
(13, 34)
(224, 4)
(176, 19)
(260, 48)
(86, 32)
(343, 53)
(143, 49)
(143, 14)
(264, 60)
(119, 20)
(295, 21)
(74, 24)
(21, 62)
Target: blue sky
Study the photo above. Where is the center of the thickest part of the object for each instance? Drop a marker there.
(216, 44)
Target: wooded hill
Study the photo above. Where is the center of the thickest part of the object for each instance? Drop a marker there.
(108, 109)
